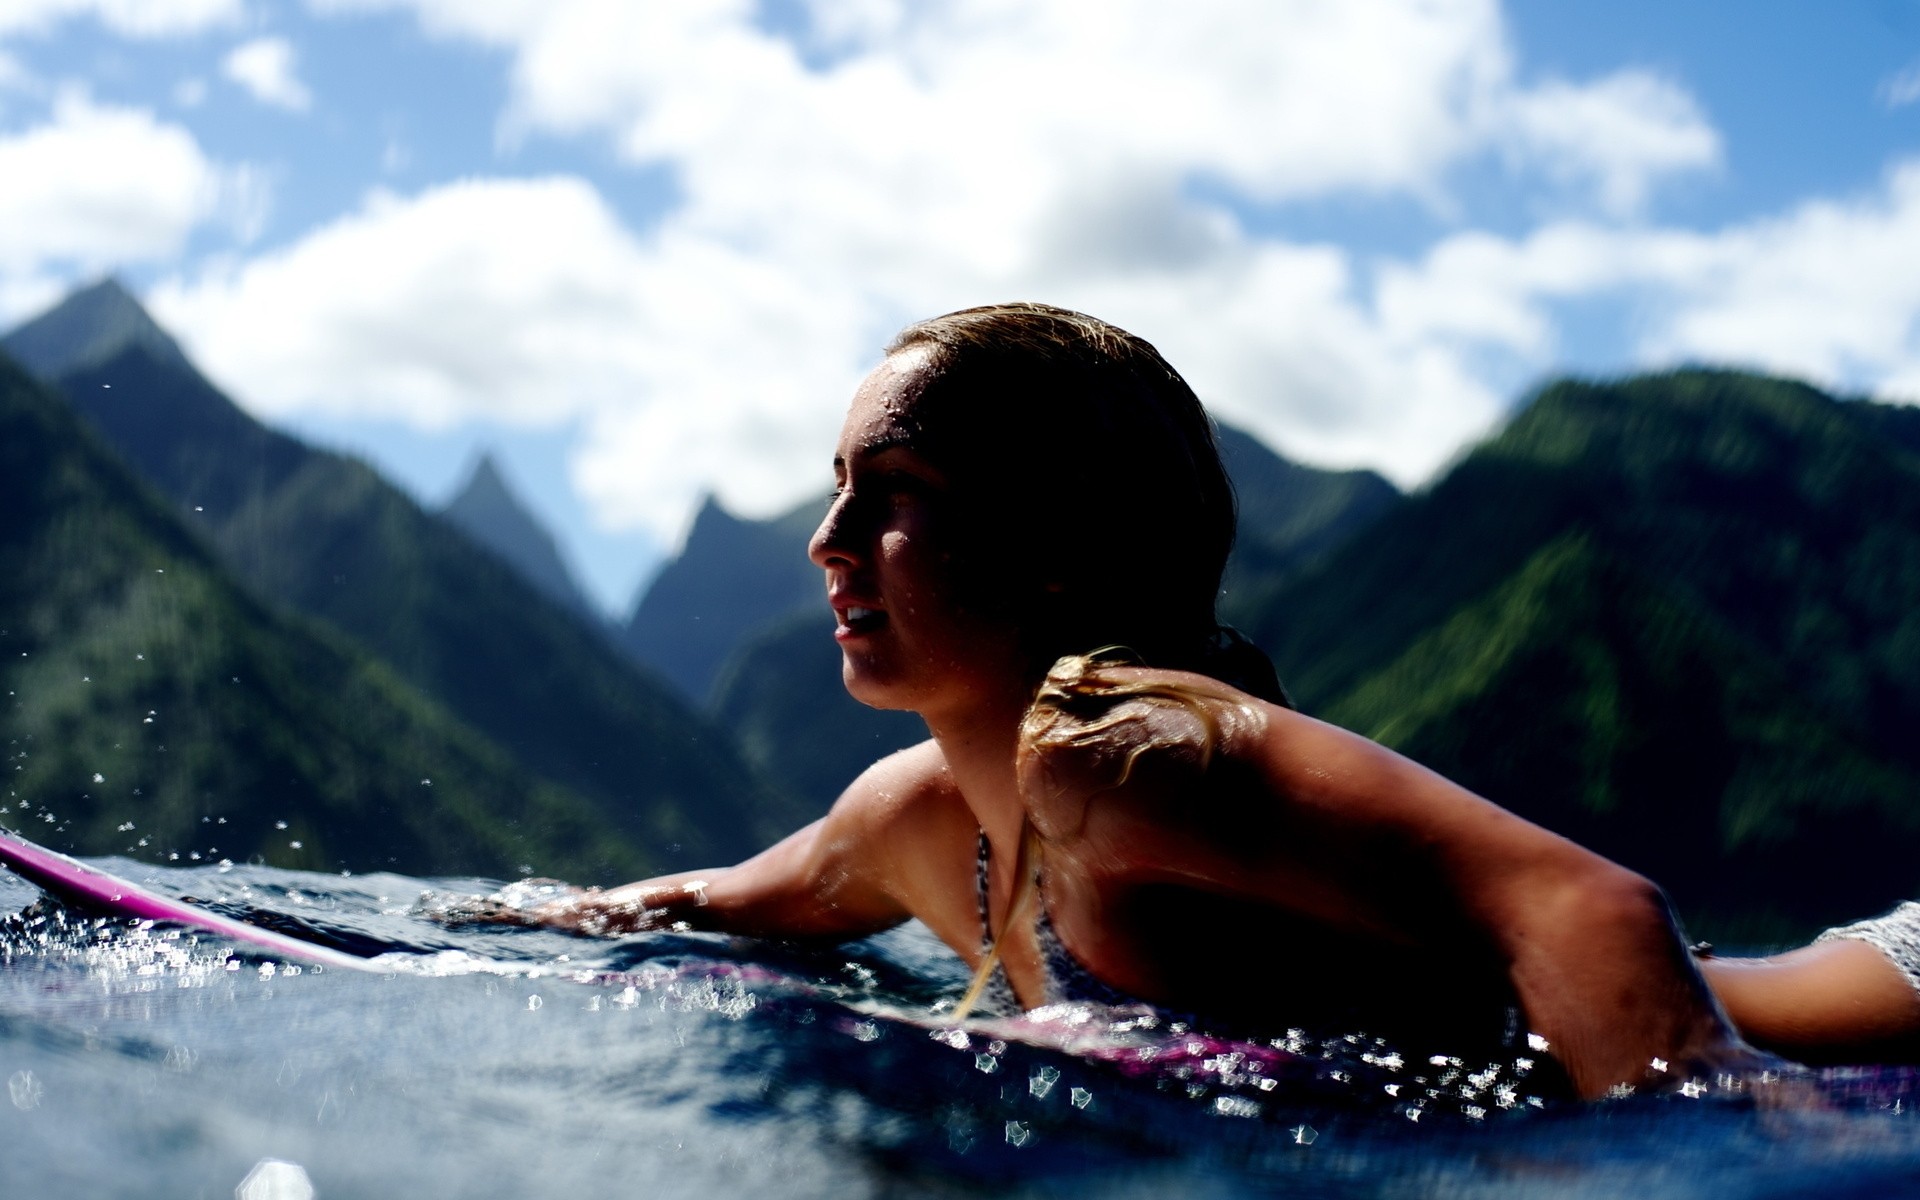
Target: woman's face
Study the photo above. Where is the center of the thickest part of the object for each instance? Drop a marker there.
(907, 637)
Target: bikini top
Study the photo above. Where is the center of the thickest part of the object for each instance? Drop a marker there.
(1067, 980)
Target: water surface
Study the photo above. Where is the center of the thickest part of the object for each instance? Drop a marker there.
(154, 1062)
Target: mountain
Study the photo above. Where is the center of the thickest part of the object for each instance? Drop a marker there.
(96, 323)
(1290, 515)
(489, 512)
(1672, 616)
(154, 708)
(325, 535)
(732, 578)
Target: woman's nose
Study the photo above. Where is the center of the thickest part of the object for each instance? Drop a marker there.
(829, 544)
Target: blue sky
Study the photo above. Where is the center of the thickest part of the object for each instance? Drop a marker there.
(644, 251)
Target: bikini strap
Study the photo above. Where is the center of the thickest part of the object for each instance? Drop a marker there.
(1026, 874)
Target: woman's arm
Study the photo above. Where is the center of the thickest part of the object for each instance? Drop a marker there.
(839, 877)
(1834, 1001)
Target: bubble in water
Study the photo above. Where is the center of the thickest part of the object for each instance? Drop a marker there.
(1042, 1082)
(533, 1003)
(275, 1179)
(1018, 1134)
(1304, 1135)
(25, 1090)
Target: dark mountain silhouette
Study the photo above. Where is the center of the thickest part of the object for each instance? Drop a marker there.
(154, 708)
(95, 324)
(732, 578)
(1290, 515)
(489, 512)
(1673, 617)
(324, 534)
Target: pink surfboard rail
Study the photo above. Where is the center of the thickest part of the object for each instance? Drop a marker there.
(89, 887)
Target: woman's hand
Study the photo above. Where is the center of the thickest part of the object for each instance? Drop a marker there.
(515, 904)
(635, 908)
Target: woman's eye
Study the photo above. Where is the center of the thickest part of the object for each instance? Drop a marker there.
(904, 485)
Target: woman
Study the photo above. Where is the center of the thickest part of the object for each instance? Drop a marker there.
(1020, 486)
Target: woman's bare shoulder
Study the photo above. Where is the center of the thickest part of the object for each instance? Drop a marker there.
(906, 792)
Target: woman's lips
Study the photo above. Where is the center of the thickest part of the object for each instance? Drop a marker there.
(857, 619)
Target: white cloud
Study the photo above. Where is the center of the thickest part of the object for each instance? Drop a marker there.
(1829, 291)
(1902, 87)
(265, 68)
(98, 186)
(525, 301)
(902, 159)
(130, 18)
(1623, 133)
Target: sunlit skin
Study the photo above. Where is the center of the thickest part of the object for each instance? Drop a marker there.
(1299, 870)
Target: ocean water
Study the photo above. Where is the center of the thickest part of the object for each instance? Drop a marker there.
(153, 1062)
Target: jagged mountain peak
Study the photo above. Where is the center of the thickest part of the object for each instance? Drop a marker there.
(491, 512)
(486, 486)
(90, 326)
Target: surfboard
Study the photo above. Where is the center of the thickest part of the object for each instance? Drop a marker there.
(75, 883)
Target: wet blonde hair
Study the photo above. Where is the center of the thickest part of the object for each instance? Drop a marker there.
(1078, 708)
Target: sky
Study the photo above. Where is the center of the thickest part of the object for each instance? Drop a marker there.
(643, 251)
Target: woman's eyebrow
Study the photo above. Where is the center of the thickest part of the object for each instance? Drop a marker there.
(874, 456)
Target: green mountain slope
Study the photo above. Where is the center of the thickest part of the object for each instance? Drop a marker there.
(1674, 617)
(154, 708)
(327, 536)
(1290, 516)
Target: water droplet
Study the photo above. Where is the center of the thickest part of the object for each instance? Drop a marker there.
(25, 1090)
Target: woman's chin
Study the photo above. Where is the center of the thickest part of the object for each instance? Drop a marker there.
(873, 688)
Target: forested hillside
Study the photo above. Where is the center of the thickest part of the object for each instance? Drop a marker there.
(153, 708)
(1675, 617)
(327, 536)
